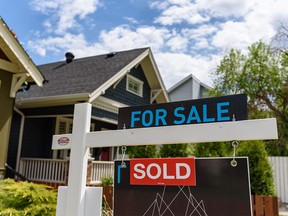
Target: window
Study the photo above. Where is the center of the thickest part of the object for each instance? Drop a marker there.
(134, 85)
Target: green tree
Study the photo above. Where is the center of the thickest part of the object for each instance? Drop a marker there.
(174, 150)
(212, 149)
(263, 75)
(147, 151)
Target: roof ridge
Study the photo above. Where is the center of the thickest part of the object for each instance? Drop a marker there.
(97, 55)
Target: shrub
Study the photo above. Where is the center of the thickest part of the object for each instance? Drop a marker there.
(261, 175)
(23, 198)
(107, 181)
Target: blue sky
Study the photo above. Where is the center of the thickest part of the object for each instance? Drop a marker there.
(186, 36)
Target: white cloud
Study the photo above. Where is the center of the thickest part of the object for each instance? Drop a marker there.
(196, 29)
(122, 37)
(178, 43)
(176, 66)
(176, 14)
(57, 44)
(63, 15)
(259, 23)
(131, 19)
(225, 8)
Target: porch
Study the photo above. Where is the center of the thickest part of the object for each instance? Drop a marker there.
(54, 172)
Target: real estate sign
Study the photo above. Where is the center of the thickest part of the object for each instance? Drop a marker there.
(218, 189)
(207, 110)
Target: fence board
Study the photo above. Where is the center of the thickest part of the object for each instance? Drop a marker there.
(264, 205)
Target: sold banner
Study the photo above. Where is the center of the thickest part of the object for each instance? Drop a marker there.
(182, 186)
(163, 171)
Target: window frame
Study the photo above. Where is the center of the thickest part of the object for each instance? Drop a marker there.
(137, 81)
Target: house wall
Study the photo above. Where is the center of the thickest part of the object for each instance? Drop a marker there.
(195, 89)
(123, 96)
(203, 92)
(6, 107)
(37, 137)
(182, 92)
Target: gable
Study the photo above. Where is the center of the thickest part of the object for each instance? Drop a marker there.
(123, 96)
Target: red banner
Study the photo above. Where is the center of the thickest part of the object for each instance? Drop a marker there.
(163, 171)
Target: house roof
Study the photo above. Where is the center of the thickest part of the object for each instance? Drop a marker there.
(189, 78)
(84, 79)
(14, 58)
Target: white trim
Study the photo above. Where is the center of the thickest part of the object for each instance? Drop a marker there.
(19, 52)
(104, 106)
(162, 86)
(51, 101)
(136, 81)
(20, 139)
(154, 94)
(111, 102)
(118, 75)
(17, 81)
(8, 66)
(118, 81)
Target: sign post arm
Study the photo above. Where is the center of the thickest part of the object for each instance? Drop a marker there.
(78, 161)
(259, 129)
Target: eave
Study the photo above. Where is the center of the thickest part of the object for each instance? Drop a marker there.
(20, 62)
(52, 101)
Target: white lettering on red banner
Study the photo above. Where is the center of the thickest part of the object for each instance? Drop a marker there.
(163, 171)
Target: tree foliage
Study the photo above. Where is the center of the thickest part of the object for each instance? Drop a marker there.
(147, 151)
(174, 150)
(262, 74)
(261, 176)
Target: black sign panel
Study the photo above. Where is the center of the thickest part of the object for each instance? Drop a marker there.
(207, 110)
(221, 190)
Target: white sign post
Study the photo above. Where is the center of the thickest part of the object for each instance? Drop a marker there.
(81, 139)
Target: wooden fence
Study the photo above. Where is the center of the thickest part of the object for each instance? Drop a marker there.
(280, 173)
(264, 205)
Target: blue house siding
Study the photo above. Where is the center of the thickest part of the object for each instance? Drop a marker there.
(104, 114)
(37, 137)
(122, 95)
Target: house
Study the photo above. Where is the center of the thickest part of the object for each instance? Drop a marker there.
(108, 82)
(16, 69)
(188, 88)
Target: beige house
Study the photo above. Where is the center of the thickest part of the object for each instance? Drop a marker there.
(17, 71)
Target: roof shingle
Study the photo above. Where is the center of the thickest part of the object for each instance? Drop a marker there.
(83, 75)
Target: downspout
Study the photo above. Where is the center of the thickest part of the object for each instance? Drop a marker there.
(20, 137)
